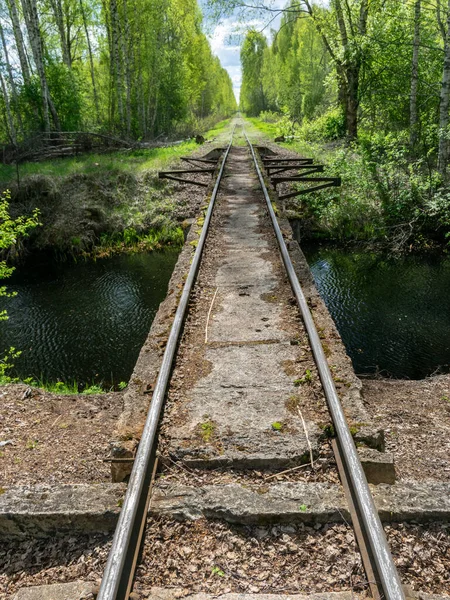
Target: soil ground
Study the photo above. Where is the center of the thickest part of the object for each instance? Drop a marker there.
(415, 416)
(216, 557)
(55, 439)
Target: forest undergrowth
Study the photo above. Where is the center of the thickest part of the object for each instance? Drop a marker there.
(387, 198)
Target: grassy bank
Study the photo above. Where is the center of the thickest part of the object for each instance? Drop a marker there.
(97, 204)
(387, 197)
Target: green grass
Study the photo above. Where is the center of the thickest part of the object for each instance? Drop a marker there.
(64, 388)
(115, 162)
(269, 129)
(217, 129)
(121, 161)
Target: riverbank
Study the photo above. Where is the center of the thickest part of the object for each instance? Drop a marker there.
(387, 199)
(100, 204)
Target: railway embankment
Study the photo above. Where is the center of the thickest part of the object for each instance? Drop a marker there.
(247, 502)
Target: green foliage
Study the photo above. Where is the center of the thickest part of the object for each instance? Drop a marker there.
(277, 426)
(307, 378)
(253, 98)
(138, 69)
(207, 430)
(7, 363)
(217, 571)
(11, 230)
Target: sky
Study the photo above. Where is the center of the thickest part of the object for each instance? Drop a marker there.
(225, 40)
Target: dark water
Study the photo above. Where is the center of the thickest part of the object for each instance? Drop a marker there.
(393, 314)
(85, 321)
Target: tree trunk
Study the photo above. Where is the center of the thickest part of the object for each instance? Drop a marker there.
(413, 115)
(127, 58)
(9, 117)
(444, 103)
(59, 19)
(14, 14)
(91, 61)
(12, 83)
(115, 57)
(34, 34)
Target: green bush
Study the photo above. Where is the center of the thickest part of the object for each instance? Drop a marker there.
(328, 127)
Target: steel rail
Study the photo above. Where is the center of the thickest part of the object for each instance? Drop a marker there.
(371, 523)
(113, 586)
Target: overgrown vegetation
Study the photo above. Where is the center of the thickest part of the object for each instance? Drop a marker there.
(12, 231)
(362, 86)
(138, 69)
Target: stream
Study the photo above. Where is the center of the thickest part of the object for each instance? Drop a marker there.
(393, 314)
(85, 321)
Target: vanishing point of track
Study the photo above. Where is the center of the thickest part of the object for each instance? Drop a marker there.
(119, 572)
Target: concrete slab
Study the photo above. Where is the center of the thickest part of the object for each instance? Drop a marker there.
(378, 466)
(244, 315)
(246, 392)
(37, 510)
(300, 502)
(43, 509)
(241, 268)
(78, 590)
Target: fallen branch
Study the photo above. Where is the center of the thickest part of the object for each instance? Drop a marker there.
(307, 437)
(209, 314)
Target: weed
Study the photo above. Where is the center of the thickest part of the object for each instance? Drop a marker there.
(2, 491)
(217, 571)
(328, 430)
(31, 444)
(122, 385)
(292, 404)
(307, 378)
(326, 349)
(94, 389)
(446, 398)
(277, 426)
(207, 430)
(303, 508)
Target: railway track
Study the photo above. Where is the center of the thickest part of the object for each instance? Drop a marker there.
(382, 577)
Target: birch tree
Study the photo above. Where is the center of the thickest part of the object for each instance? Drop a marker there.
(413, 123)
(444, 103)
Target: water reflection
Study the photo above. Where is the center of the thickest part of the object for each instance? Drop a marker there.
(393, 313)
(85, 321)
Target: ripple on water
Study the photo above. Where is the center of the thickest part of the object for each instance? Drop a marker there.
(393, 314)
(85, 321)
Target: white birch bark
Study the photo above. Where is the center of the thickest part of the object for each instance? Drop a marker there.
(59, 20)
(14, 14)
(91, 60)
(413, 114)
(34, 35)
(9, 116)
(444, 103)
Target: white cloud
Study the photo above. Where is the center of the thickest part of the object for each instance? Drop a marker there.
(223, 44)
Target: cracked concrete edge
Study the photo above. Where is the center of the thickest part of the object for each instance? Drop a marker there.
(43, 510)
(300, 502)
(79, 590)
(138, 394)
(349, 386)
